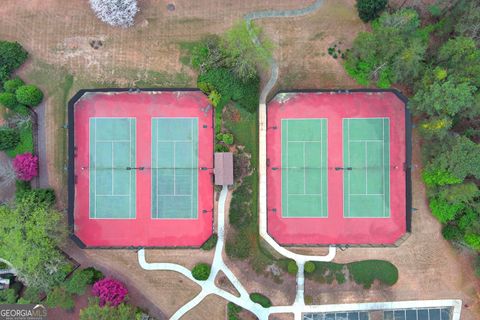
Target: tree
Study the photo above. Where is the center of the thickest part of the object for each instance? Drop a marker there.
(117, 13)
(12, 56)
(26, 166)
(469, 23)
(29, 238)
(459, 156)
(77, 284)
(59, 297)
(9, 138)
(44, 197)
(13, 84)
(95, 312)
(292, 267)
(461, 59)
(8, 100)
(370, 9)
(8, 296)
(445, 98)
(309, 267)
(436, 127)
(464, 193)
(445, 211)
(201, 271)
(29, 95)
(110, 292)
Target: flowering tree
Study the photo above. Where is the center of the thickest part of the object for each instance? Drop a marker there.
(26, 166)
(110, 291)
(117, 13)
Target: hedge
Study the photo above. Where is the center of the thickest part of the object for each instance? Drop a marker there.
(210, 243)
(201, 271)
(29, 95)
(366, 272)
(260, 299)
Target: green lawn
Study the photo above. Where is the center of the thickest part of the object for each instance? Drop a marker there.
(26, 142)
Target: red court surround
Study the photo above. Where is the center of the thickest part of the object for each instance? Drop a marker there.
(335, 229)
(143, 231)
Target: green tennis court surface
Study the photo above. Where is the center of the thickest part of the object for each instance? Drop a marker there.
(304, 168)
(367, 167)
(112, 151)
(174, 168)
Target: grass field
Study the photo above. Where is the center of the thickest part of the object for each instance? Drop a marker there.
(26, 142)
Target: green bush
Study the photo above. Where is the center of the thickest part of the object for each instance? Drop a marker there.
(78, 282)
(13, 84)
(452, 232)
(366, 272)
(309, 267)
(29, 95)
(260, 299)
(228, 138)
(201, 271)
(219, 147)
(473, 240)
(26, 142)
(9, 138)
(44, 197)
(210, 243)
(21, 186)
(8, 296)
(443, 210)
(59, 297)
(438, 177)
(233, 310)
(8, 100)
(370, 9)
(12, 56)
(96, 275)
(292, 267)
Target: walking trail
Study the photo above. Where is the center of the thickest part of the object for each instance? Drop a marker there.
(244, 301)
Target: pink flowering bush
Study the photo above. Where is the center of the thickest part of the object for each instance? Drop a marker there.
(110, 291)
(26, 166)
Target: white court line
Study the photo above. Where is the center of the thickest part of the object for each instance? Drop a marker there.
(191, 172)
(366, 165)
(304, 170)
(95, 162)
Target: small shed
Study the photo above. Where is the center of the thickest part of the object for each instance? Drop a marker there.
(223, 168)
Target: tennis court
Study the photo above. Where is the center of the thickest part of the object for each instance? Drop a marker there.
(112, 155)
(304, 168)
(366, 158)
(338, 167)
(174, 168)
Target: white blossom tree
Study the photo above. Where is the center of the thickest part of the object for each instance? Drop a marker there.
(117, 13)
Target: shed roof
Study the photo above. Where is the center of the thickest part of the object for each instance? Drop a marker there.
(223, 168)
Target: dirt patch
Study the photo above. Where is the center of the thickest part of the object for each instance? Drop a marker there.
(429, 267)
(212, 307)
(223, 283)
(281, 316)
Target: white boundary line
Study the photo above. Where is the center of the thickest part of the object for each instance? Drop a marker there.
(324, 146)
(131, 216)
(346, 213)
(193, 140)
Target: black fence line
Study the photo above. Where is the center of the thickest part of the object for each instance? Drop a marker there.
(408, 162)
(71, 163)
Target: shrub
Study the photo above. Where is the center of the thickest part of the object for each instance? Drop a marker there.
(12, 56)
(9, 138)
(219, 147)
(201, 271)
(77, 284)
(233, 310)
(443, 210)
(29, 95)
(21, 186)
(370, 9)
(8, 296)
(59, 297)
(210, 243)
(117, 13)
(26, 142)
(95, 312)
(45, 197)
(13, 84)
(260, 299)
(292, 267)
(308, 300)
(438, 177)
(8, 100)
(452, 232)
(366, 272)
(111, 292)
(309, 267)
(96, 275)
(228, 138)
(473, 240)
(26, 166)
